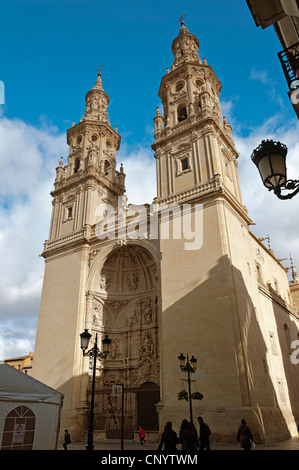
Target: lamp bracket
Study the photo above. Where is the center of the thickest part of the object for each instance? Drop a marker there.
(288, 185)
(95, 352)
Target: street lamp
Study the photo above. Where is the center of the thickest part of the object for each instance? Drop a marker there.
(94, 353)
(270, 159)
(190, 368)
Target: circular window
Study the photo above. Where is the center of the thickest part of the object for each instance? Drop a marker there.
(179, 86)
(198, 83)
(79, 139)
(94, 138)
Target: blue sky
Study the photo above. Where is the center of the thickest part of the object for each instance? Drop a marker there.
(49, 58)
(51, 51)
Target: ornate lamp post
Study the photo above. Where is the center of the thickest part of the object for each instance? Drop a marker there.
(94, 353)
(270, 159)
(190, 368)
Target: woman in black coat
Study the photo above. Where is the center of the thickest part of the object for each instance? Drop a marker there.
(169, 439)
(244, 436)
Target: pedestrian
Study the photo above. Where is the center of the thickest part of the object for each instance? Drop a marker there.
(169, 439)
(244, 436)
(187, 436)
(196, 444)
(67, 439)
(204, 434)
(142, 436)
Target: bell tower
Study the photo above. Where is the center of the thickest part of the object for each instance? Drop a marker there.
(90, 176)
(88, 179)
(209, 293)
(193, 143)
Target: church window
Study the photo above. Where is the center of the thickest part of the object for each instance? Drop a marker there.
(94, 138)
(79, 139)
(198, 83)
(185, 164)
(182, 112)
(179, 86)
(69, 212)
(106, 167)
(77, 165)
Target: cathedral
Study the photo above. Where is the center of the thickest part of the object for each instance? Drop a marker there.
(182, 275)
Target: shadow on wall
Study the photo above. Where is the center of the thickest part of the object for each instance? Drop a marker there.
(225, 310)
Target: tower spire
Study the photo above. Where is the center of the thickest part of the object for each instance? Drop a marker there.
(185, 46)
(97, 101)
(294, 271)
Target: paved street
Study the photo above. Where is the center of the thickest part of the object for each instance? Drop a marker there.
(114, 445)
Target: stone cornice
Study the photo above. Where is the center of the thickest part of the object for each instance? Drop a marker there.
(91, 176)
(183, 69)
(69, 241)
(87, 123)
(271, 295)
(188, 126)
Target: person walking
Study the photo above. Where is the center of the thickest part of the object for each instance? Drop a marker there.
(204, 434)
(67, 439)
(142, 436)
(169, 439)
(187, 436)
(244, 436)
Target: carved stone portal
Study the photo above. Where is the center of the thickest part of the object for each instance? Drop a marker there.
(125, 307)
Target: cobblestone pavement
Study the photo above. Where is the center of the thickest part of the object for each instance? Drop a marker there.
(114, 445)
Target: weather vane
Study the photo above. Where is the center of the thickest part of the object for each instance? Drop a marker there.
(99, 69)
(181, 18)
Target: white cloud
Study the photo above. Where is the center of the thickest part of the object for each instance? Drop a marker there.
(28, 157)
(274, 217)
(260, 75)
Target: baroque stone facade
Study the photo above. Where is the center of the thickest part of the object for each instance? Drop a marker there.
(225, 299)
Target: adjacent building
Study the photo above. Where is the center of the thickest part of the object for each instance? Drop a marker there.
(22, 363)
(283, 15)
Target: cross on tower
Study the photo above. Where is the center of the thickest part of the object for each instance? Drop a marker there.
(99, 69)
(181, 18)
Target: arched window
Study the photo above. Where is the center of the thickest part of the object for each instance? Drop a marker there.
(77, 165)
(107, 167)
(19, 428)
(182, 112)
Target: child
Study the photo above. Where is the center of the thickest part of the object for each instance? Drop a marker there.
(141, 435)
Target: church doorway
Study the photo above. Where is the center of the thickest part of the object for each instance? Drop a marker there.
(148, 396)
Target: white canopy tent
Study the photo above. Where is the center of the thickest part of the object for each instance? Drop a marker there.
(29, 412)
